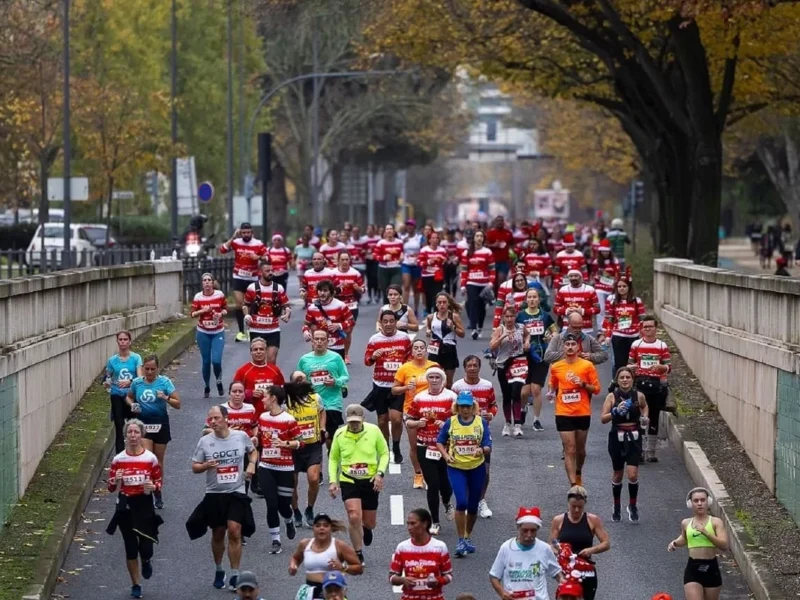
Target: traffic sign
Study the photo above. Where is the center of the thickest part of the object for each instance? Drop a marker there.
(205, 191)
(123, 195)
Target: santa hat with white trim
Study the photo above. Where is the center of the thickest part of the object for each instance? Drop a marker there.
(568, 240)
(529, 516)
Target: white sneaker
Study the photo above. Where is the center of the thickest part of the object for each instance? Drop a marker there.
(507, 430)
(434, 530)
(483, 510)
(517, 430)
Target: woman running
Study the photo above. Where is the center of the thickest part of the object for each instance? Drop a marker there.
(426, 415)
(410, 270)
(388, 252)
(477, 274)
(150, 397)
(605, 271)
(409, 380)
(121, 370)
(406, 318)
(323, 552)
(511, 343)
(136, 472)
(465, 443)
(536, 263)
(511, 292)
(349, 284)
(421, 564)
(703, 535)
(541, 327)
(579, 529)
(432, 259)
(303, 252)
(209, 307)
(626, 410)
(623, 321)
(443, 327)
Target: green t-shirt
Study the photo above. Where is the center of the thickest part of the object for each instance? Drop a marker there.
(318, 369)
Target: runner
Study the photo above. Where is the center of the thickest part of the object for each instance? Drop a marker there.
(149, 397)
(247, 586)
(209, 307)
(313, 235)
(258, 376)
(373, 290)
(323, 552)
(482, 391)
(279, 435)
(477, 274)
(121, 369)
(349, 285)
(303, 252)
(579, 529)
(500, 240)
(410, 269)
(573, 382)
(307, 409)
(650, 359)
(247, 251)
(576, 296)
(326, 312)
(590, 348)
(357, 464)
(404, 314)
(450, 244)
(331, 248)
(619, 239)
(359, 253)
(536, 262)
(386, 351)
(388, 252)
(137, 474)
(225, 508)
(623, 322)
(524, 563)
(432, 261)
(511, 344)
(421, 564)
(511, 293)
(265, 306)
(313, 276)
(335, 586)
(282, 260)
(408, 382)
(567, 260)
(626, 410)
(465, 441)
(703, 535)
(605, 271)
(443, 327)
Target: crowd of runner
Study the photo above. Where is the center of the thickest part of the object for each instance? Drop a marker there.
(561, 301)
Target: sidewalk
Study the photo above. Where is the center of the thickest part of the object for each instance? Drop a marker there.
(737, 254)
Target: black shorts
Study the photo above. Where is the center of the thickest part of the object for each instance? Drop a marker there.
(573, 423)
(447, 357)
(339, 351)
(333, 420)
(162, 436)
(282, 280)
(385, 401)
(241, 285)
(361, 489)
(221, 508)
(705, 572)
(627, 452)
(537, 371)
(273, 339)
(355, 314)
(307, 456)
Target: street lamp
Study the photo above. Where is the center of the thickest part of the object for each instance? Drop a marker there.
(66, 257)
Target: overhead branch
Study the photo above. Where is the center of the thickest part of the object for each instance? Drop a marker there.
(728, 79)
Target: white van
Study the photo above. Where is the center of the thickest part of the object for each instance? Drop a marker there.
(86, 239)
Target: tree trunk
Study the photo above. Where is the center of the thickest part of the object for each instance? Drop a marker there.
(278, 204)
(110, 204)
(707, 202)
(44, 202)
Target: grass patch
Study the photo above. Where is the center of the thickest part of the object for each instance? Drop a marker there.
(641, 263)
(31, 520)
(746, 520)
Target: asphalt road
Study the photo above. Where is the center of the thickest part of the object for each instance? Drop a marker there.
(526, 471)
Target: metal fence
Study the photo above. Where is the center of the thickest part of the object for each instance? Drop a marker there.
(220, 267)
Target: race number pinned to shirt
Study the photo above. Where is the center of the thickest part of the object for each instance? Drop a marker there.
(358, 470)
(152, 427)
(228, 474)
(571, 397)
(271, 452)
(624, 322)
(392, 365)
(648, 361)
(432, 454)
(319, 377)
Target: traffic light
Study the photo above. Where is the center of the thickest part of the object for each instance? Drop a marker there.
(639, 191)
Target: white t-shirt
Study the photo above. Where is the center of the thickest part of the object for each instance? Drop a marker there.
(525, 570)
(411, 247)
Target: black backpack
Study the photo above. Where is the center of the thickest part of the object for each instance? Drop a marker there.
(256, 304)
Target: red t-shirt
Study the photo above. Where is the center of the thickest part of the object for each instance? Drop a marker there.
(504, 239)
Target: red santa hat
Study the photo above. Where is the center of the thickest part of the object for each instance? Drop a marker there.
(574, 272)
(605, 245)
(568, 240)
(569, 589)
(529, 515)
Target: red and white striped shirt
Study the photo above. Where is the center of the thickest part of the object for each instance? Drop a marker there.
(245, 257)
(505, 295)
(646, 355)
(537, 265)
(271, 429)
(567, 260)
(453, 252)
(371, 243)
(135, 469)
(396, 350)
(210, 322)
(432, 261)
(310, 280)
(431, 408)
(242, 418)
(583, 297)
(555, 246)
(419, 562)
(388, 253)
(271, 303)
(477, 269)
(347, 281)
(258, 377)
(359, 251)
(331, 253)
(623, 319)
(335, 311)
(604, 280)
(280, 258)
(483, 392)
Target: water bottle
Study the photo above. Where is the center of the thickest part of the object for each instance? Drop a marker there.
(174, 255)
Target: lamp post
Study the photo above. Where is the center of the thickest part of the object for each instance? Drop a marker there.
(66, 256)
(230, 117)
(173, 186)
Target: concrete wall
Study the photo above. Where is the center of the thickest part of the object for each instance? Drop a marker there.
(56, 333)
(740, 334)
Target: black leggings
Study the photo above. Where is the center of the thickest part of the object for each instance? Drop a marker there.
(476, 307)
(431, 287)
(372, 278)
(621, 347)
(277, 487)
(451, 279)
(120, 411)
(655, 404)
(512, 397)
(135, 545)
(387, 277)
(589, 585)
(435, 474)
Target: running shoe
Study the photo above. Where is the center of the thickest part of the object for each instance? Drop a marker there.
(449, 511)
(461, 548)
(469, 545)
(219, 579)
(484, 511)
(480, 334)
(232, 582)
(435, 529)
(276, 547)
(537, 426)
(517, 430)
(159, 501)
(147, 569)
(474, 334)
(367, 536)
(136, 591)
(206, 392)
(291, 530)
(309, 517)
(633, 513)
(616, 516)
(360, 554)
(419, 481)
(220, 389)
(398, 456)
(347, 359)
(241, 337)
(507, 430)
(298, 518)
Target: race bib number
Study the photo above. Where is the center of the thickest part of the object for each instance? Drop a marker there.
(352, 305)
(229, 474)
(621, 435)
(647, 362)
(433, 349)
(152, 428)
(432, 454)
(475, 275)
(270, 452)
(431, 269)
(571, 397)
(625, 322)
(131, 480)
(264, 387)
(536, 328)
(319, 377)
(212, 323)
(244, 272)
(466, 449)
(518, 370)
(358, 470)
(607, 281)
(391, 365)
(307, 434)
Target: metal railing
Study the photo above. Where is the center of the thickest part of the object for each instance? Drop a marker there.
(220, 267)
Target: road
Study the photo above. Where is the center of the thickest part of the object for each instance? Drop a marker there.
(526, 471)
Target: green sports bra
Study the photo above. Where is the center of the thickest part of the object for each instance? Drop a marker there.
(695, 539)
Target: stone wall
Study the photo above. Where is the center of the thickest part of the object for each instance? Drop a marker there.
(740, 334)
(56, 333)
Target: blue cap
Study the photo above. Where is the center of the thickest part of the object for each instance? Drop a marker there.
(465, 398)
(318, 231)
(334, 578)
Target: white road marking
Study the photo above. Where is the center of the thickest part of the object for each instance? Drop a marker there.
(394, 469)
(396, 506)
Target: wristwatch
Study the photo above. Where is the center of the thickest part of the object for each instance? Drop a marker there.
(381, 473)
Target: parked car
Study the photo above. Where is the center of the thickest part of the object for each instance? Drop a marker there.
(86, 240)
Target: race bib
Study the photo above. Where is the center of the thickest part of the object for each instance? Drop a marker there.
(358, 470)
(571, 397)
(518, 371)
(607, 281)
(307, 434)
(433, 348)
(431, 269)
(244, 272)
(432, 454)
(392, 365)
(536, 328)
(131, 480)
(270, 452)
(648, 362)
(148, 428)
(624, 322)
(475, 275)
(319, 377)
(212, 323)
(352, 305)
(264, 387)
(466, 449)
(229, 474)
(392, 264)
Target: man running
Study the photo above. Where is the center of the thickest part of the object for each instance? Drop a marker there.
(349, 284)
(574, 381)
(265, 306)
(330, 314)
(590, 348)
(247, 250)
(225, 509)
(258, 375)
(576, 296)
(317, 273)
(567, 260)
(357, 463)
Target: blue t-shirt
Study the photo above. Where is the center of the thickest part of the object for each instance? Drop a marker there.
(537, 326)
(119, 369)
(154, 409)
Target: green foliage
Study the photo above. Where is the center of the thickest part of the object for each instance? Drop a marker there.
(132, 230)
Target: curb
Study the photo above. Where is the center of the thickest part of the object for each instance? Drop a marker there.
(54, 553)
(751, 562)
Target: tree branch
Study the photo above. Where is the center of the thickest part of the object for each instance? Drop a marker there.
(726, 93)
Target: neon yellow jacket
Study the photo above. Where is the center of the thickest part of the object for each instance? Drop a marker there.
(360, 455)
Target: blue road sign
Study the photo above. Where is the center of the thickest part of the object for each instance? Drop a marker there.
(205, 191)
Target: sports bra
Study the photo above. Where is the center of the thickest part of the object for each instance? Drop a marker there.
(317, 562)
(695, 539)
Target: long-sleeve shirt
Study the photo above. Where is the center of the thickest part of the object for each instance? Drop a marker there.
(395, 350)
(245, 257)
(319, 316)
(419, 562)
(623, 319)
(357, 455)
(135, 470)
(583, 297)
(477, 269)
(604, 278)
(644, 356)
(318, 369)
(269, 301)
(432, 261)
(589, 345)
(566, 261)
